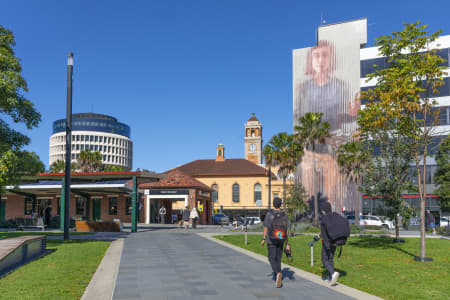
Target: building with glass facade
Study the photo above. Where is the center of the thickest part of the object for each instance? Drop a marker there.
(95, 132)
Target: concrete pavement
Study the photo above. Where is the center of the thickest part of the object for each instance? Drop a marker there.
(165, 264)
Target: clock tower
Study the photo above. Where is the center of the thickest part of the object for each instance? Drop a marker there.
(253, 140)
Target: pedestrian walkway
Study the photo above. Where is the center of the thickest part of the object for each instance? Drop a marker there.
(179, 265)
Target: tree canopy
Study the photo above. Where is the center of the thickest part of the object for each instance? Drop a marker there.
(15, 108)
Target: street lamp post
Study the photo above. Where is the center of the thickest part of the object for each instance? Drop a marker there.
(68, 146)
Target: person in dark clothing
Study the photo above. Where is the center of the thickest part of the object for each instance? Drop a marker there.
(275, 250)
(328, 249)
(48, 215)
(431, 221)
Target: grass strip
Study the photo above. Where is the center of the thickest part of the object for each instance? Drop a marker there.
(62, 274)
(374, 264)
(10, 234)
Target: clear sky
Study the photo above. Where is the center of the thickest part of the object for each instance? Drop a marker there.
(185, 75)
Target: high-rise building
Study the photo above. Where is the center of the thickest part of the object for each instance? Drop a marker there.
(327, 78)
(95, 132)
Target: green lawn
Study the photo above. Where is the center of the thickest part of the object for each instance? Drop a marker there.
(375, 265)
(10, 234)
(62, 274)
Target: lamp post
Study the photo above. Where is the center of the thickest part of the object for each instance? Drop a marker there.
(68, 146)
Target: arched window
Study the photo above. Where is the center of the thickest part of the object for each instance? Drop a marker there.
(214, 194)
(257, 192)
(235, 192)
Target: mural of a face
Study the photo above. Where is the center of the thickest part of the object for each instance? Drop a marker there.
(321, 60)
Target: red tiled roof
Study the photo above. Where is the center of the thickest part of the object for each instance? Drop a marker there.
(234, 166)
(176, 179)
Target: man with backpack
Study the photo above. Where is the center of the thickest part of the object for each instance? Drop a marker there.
(275, 234)
(334, 230)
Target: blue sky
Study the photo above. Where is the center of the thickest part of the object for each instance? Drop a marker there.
(185, 75)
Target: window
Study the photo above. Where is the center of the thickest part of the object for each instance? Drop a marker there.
(78, 147)
(96, 139)
(82, 146)
(28, 206)
(101, 148)
(235, 192)
(257, 192)
(80, 205)
(78, 138)
(215, 194)
(128, 205)
(112, 205)
(95, 148)
(100, 139)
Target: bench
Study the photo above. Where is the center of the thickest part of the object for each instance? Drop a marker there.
(31, 223)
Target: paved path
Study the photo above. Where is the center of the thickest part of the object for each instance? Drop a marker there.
(178, 265)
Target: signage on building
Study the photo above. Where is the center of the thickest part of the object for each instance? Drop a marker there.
(204, 194)
(259, 203)
(168, 192)
(200, 207)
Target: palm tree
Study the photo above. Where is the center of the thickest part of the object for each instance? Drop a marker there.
(89, 161)
(311, 131)
(59, 166)
(352, 160)
(285, 153)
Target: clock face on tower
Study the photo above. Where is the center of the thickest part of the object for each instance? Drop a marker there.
(252, 148)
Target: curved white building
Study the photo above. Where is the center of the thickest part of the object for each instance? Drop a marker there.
(96, 132)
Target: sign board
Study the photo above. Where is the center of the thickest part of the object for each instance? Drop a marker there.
(200, 208)
(147, 192)
(169, 192)
(259, 203)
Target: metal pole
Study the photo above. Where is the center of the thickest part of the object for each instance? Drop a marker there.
(270, 185)
(68, 146)
(312, 255)
(134, 206)
(62, 203)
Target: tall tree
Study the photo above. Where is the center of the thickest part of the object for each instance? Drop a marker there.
(89, 161)
(353, 159)
(309, 132)
(286, 154)
(405, 91)
(59, 166)
(18, 109)
(442, 176)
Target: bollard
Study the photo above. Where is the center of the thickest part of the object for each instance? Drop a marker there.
(312, 255)
(246, 237)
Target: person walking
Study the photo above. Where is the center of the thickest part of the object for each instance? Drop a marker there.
(194, 216)
(186, 215)
(162, 213)
(431, 221)
(328, 248)
(275, 235)
(48, 215)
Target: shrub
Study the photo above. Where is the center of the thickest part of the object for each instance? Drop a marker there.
(106, 226)
(444, 231)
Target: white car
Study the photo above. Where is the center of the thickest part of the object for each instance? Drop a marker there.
(254, 220)
(372, 220)
(444, 222)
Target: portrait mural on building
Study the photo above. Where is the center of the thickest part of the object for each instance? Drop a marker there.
(326, 79)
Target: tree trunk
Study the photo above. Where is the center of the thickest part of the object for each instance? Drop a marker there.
(284, 189)
(422, 206)
(316, 201)
(397, 234)
(357, 206)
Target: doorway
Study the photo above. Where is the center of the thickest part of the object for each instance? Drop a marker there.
(96, 212)
(2, 210)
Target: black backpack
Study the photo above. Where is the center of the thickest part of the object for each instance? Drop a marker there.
(278, 228)
(338, 228)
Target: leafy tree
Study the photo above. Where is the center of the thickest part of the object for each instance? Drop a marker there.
(442, 176)
(113, 168)
(353, 159)
(295, 203)
(89, 161)
(17, 108)
(386, 175)
(309, 132)
(403, 93)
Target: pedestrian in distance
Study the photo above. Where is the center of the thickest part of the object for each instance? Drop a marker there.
(186, 215)
(334, 230)
(162, 213)
(431, 221)
(275, 235)
(194, 216)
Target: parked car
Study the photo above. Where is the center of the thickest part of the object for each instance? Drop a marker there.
(444, 222)
(372, 220)
(220, 219)
(253, 220)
